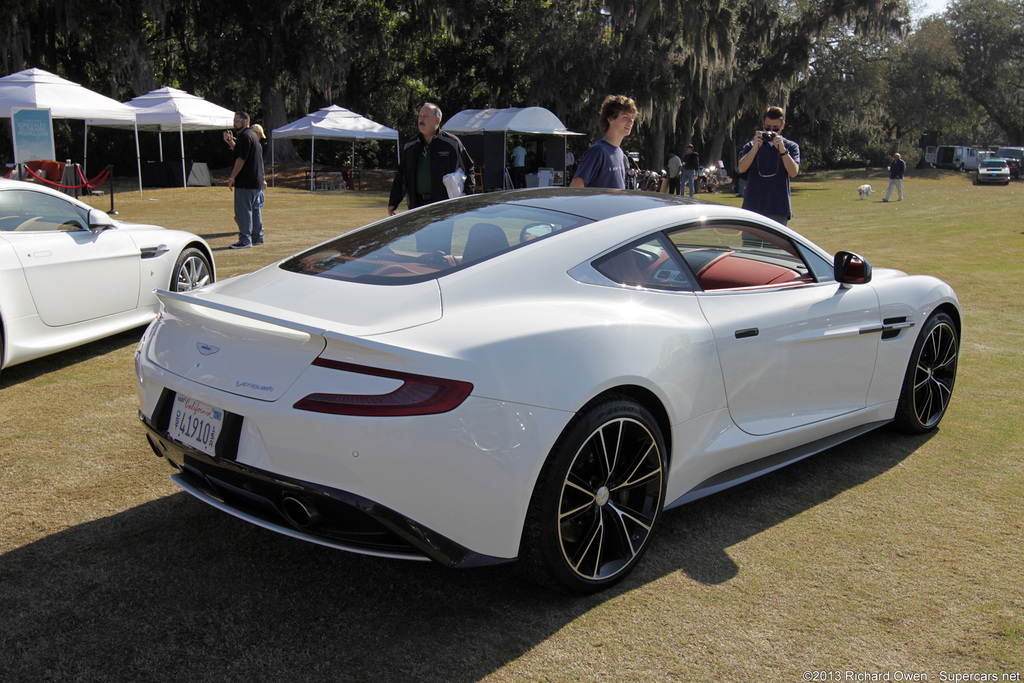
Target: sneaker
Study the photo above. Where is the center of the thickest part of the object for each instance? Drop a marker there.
(240, 245)
(258, 244)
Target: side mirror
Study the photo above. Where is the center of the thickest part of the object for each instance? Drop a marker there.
(98, 220)
(851, 269)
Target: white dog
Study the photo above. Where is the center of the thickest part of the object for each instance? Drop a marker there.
(864, 191)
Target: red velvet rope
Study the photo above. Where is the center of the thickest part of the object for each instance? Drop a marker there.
(92, 185)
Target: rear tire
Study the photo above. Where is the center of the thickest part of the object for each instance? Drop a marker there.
(597, 500)
(191, 270)
(931, 373)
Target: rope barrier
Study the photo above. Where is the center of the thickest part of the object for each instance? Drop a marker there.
(95, 183)
(100, 178)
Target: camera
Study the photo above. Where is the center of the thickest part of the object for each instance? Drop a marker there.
(768, 136)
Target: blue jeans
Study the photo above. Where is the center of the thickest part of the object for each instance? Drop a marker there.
(688, 178)
(249, 216)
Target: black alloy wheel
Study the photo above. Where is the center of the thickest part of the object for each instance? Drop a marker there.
(931, 373)
(598, 499)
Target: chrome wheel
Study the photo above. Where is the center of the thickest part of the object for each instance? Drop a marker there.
(192, 270)
(928, 385)
(598, 499)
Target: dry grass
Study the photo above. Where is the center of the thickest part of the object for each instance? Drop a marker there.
(888, 554)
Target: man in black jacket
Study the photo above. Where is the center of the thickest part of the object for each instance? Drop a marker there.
(896, 170)
(426, 159)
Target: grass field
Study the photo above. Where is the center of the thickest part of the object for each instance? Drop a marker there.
(887, 555)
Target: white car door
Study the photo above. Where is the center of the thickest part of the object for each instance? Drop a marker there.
(793, 351)
(792, 356)
(74, 273)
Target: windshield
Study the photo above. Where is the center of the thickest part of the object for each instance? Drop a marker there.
(429, 242)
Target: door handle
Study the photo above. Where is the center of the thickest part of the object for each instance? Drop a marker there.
(749, 332)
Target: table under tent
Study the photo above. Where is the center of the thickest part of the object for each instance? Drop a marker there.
(332, 123)
(39, 89)
(485, 133)
(169, 110)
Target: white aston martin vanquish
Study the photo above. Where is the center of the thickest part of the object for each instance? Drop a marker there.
(533, 375)
(70, 274)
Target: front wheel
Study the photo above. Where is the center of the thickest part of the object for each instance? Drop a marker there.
(598, 499)
(931, 373)
(191, 270)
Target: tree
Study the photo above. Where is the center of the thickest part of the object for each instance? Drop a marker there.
(989, 39)
(924, 88)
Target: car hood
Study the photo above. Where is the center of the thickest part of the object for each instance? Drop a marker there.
(136, 227)
(886, 273)
(318, 302)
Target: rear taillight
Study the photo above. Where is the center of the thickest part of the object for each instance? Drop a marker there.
(418, 395)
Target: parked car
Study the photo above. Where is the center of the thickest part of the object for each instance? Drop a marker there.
(535, 374)
(993, 171)
(1014, 158)
(70, 274)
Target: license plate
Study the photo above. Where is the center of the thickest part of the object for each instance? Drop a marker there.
(195, 424)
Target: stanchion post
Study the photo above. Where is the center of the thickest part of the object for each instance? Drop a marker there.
(110, 177)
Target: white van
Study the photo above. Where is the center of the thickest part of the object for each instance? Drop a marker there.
(957, 157)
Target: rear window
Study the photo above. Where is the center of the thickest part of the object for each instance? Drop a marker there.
(427, 243)
(993, 163)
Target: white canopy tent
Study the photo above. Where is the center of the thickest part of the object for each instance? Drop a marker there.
(526, 120)
(500, 122)
(38, 89)
(332, 122)
(171, 110)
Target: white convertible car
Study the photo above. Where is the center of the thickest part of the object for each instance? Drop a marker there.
(533, 375)
(70, 274)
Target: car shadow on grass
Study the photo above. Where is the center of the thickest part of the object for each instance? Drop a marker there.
(34, 369)
(175, 589)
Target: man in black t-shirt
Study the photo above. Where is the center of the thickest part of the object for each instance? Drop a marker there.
(248, 183)
(691, 163)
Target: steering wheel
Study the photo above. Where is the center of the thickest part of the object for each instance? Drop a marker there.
(434, 259)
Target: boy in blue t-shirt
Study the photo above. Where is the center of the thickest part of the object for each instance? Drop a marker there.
(605, 164)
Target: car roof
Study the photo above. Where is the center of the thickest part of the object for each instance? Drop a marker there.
(590, 203)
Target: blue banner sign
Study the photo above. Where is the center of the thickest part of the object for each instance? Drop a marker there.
(32, 131)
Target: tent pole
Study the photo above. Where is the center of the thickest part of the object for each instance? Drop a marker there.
(181, 135)
(85, 151)
(312, 146)
(273, 170)
(138, 157)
